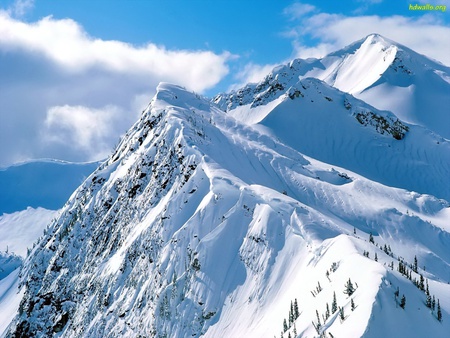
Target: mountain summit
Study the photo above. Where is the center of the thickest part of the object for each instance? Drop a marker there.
(383, 73)
(209, 221)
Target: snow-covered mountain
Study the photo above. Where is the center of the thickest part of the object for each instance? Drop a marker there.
(205, 224)
(383, 73)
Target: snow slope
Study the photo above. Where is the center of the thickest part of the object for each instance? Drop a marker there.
(201, 225)
(10, 297)
(19, 230)
(41, 183)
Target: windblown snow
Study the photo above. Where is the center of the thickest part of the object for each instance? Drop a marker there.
(288, 208)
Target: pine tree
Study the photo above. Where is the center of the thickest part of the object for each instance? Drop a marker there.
(318, 288)
(341, 313)
(376, 257)
(289, 335)
(295, 331)
(354, 231)
(334, 304)
(327, 312)
(415, 264)
(428, 301)
(349, 288)
(371, 238)
(296, 312)
(291, 314)
(439, 313)
(403, 302)
(433, 303)
(352, 304)
(285, 326)
(422, 283)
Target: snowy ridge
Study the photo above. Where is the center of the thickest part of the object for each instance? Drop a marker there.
(201, 225)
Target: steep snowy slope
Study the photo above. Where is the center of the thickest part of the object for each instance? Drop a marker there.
(41, 183)
(334, 127)
(199, 225)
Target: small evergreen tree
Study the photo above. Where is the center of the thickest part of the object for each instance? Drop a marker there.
(349, 288)
(295, 331)
(376, 257)
(285, 326)
(334, 304)
(415, 264)
(371, 238)
(341, 313)
(433, 303)
(403, 302)
(422, 283)
(352, 304)
(291, 314)
(296, 312)
(439, 313)
(327, 312)
(428, 302)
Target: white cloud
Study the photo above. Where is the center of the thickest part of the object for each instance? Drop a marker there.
(66, 43)
(298, 10)
(20, 7)
(251, 73)
(84, 129)
(55, 63)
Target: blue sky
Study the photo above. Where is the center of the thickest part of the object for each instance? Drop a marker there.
(74, 75)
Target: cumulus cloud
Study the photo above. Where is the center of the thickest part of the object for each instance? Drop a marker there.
(56, 77)
(82, 128)
(67, 44)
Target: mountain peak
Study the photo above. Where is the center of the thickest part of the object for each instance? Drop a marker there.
(378, 38)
